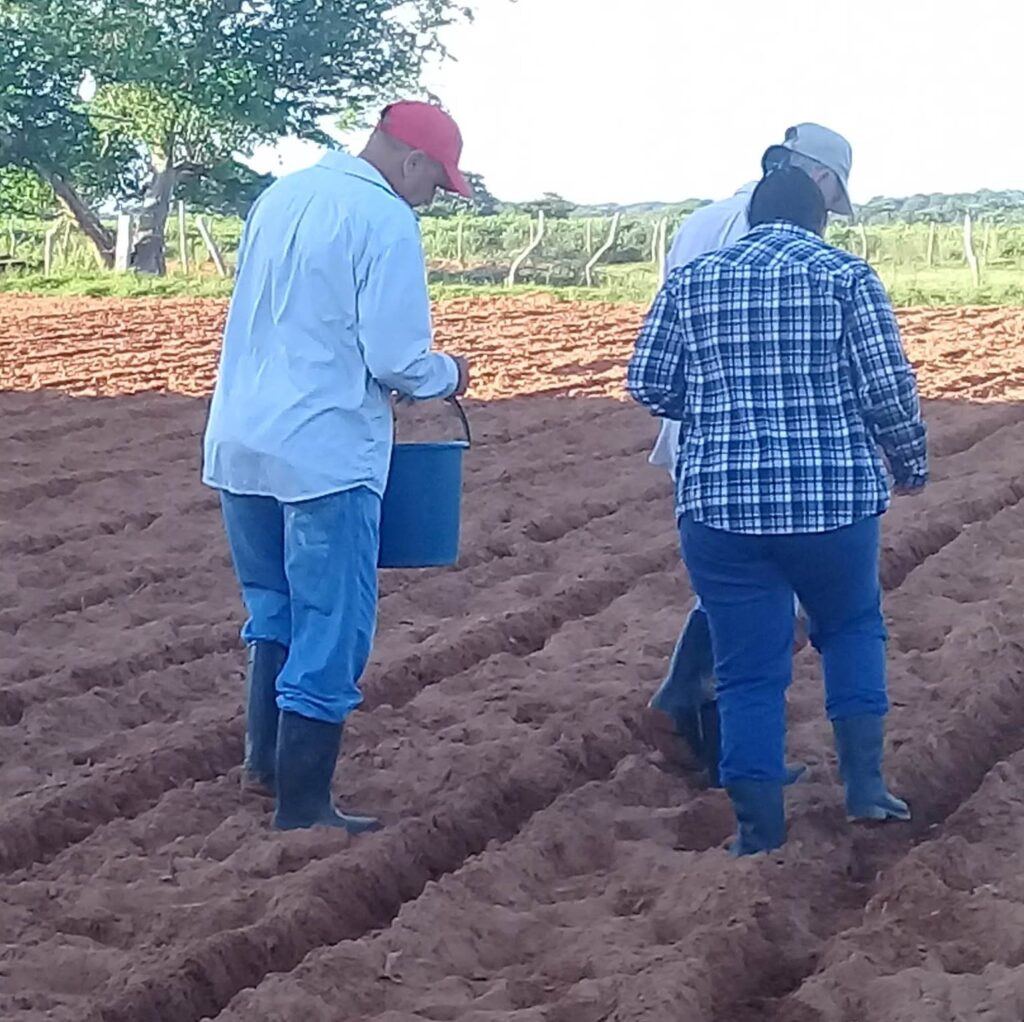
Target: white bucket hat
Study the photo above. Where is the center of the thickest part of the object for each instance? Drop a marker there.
(823, 146)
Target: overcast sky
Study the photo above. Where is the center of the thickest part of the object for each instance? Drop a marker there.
(669, 99)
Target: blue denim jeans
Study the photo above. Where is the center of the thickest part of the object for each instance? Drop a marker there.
(746, 585)
(308, 574)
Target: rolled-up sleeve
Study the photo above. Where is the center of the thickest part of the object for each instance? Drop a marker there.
(655, 375)
(394, 325)
(887, 385)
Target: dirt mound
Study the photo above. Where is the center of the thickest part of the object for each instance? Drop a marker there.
(539, 861)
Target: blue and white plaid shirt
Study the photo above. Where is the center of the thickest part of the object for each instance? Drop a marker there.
(781, 357)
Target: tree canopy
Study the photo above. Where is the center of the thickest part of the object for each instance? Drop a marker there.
(182, 88)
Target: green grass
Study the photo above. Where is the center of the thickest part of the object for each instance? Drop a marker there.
(115, 285)
(943, 286)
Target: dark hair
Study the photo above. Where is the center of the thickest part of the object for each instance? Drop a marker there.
(786, 193)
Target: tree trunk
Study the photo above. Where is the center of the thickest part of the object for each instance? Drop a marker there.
(148, 254)
(90, 224)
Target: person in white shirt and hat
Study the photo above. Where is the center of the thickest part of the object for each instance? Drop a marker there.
(330, 316)
(682, 714)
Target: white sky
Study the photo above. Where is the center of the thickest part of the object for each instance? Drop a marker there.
(669, 99)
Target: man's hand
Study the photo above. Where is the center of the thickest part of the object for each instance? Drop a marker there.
(464, 377)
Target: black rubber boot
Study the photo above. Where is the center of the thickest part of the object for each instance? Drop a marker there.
(265, 662)
(859, 742)
(307, 751)
(760, 816)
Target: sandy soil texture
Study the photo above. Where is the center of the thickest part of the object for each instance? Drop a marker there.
(540, 863)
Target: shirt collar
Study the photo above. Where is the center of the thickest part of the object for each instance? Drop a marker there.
(354, 166)
(784, 227)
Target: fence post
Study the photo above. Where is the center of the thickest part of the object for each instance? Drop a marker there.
(182, 237)
(931, 244)
(123, 244)
(211, 246)
(48, 248)
(596, 257)
(969, 253)
(863, 235)
(661, 250)
(535, 240)
(64, 242)
(590, 237)
(460, 232)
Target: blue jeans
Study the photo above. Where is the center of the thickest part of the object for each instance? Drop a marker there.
(308, 574)
(746, 586)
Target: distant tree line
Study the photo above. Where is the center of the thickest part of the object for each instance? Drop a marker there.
(995, 206)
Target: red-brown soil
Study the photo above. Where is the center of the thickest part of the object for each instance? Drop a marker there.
(540, 863)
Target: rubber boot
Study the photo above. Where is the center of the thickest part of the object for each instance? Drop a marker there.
(674, 711)
(760, 816)
(712, 745)
(265, 662)
(307, 751)
(859, 742)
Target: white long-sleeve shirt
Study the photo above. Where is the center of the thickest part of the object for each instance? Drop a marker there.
(705, 230)
(330, 314)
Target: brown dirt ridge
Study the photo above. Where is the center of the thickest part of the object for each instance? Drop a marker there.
(539, 863)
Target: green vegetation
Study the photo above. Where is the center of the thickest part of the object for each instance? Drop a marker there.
(135, 102)
(921, 264)
(129, 106)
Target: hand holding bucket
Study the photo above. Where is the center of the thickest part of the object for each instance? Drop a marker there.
(421, 513)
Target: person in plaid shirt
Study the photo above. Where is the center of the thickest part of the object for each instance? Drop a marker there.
(681, 718)
(781, 358)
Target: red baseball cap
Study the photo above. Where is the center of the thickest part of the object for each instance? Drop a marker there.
(430, 130)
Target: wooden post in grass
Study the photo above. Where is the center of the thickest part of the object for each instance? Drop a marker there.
(535, 240)
(123, 244)
(48, 240)
(932, 230)
(590, 237)
(863, 235)
(64, 243)
(182, 237)
(588, 270)
(211, 246)
(969, 254)
(661, 255)
(460, 241)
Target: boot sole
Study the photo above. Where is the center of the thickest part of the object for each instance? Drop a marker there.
(882, 817)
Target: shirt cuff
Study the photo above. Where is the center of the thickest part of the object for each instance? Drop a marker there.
(453, 371)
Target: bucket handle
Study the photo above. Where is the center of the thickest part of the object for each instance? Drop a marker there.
(461, 412)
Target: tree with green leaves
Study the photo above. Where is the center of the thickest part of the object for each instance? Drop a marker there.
(47, 144)
(184, 87)
(482, 203)
(551, 204)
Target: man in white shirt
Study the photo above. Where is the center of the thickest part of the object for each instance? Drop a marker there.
(330, 315)
(683, 715)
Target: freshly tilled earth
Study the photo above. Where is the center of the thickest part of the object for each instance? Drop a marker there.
(539, 862)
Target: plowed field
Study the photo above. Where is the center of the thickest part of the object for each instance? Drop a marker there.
(540, 862)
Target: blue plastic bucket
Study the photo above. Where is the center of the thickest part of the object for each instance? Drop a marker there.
(421, 514)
